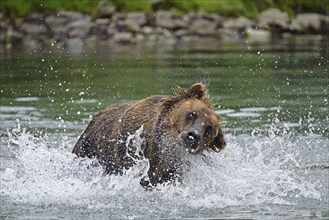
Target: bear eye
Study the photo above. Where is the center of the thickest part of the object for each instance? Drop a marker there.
(208, 131)
(191, 116)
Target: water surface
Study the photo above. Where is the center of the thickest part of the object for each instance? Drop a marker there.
(273, 99)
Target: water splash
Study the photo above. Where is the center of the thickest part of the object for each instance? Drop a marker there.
(253, 170)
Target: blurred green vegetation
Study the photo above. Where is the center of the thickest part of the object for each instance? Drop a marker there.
(249, 8)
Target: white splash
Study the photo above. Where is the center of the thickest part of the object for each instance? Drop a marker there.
(141, 164)
(251, 171)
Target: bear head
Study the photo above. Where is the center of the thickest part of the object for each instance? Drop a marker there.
(193, 119)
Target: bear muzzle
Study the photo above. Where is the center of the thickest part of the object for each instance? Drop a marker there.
(192, 141)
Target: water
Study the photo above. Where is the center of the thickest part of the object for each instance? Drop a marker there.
(273, 98)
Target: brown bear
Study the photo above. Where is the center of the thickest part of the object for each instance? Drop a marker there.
(172, 126)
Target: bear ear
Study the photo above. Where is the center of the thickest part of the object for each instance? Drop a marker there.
(218, 144)
(197, 90)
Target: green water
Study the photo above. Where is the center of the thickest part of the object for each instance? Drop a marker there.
(272, 96)
(292, 79)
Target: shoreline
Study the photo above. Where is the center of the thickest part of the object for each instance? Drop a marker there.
(69, 29)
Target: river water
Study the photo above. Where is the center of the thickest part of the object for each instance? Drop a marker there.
(273, 98)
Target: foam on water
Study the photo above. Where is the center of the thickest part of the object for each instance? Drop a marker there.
(252, 170)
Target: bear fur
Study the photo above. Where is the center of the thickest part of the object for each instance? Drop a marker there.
(172, 126)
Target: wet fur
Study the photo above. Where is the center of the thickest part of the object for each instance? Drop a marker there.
(106, 135)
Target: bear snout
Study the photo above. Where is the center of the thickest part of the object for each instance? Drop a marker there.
(191, 140)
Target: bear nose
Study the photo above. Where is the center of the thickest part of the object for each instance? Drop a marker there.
(192, 139)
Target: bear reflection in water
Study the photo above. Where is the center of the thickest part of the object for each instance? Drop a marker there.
(173, 126)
